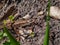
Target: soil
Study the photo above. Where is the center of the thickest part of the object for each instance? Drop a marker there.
(21, 27)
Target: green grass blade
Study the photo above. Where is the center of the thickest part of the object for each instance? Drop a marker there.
(6, 43)
(1, 35)
(12, 39)
(46, 38)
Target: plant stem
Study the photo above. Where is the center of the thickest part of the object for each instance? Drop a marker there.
(46, 38)
(12, 39)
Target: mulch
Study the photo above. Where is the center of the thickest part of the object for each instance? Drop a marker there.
(36, 23)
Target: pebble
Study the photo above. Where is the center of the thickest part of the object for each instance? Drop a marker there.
(55, 12)
(27, 31)
(22, 37)
(26, 16)
(21, 32)
(40, 13)
(25, 35)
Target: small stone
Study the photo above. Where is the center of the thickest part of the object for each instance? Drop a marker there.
(25, 35)
(22, 37)
(27, 31)
(26, 16)
(21, 32)
(55, 12)
(40, 13)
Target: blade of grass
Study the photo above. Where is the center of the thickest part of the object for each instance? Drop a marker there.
(6, 43)
(1, 35)
(46, 38)
(12, 39)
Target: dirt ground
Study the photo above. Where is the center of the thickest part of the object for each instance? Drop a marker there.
(29, 19)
